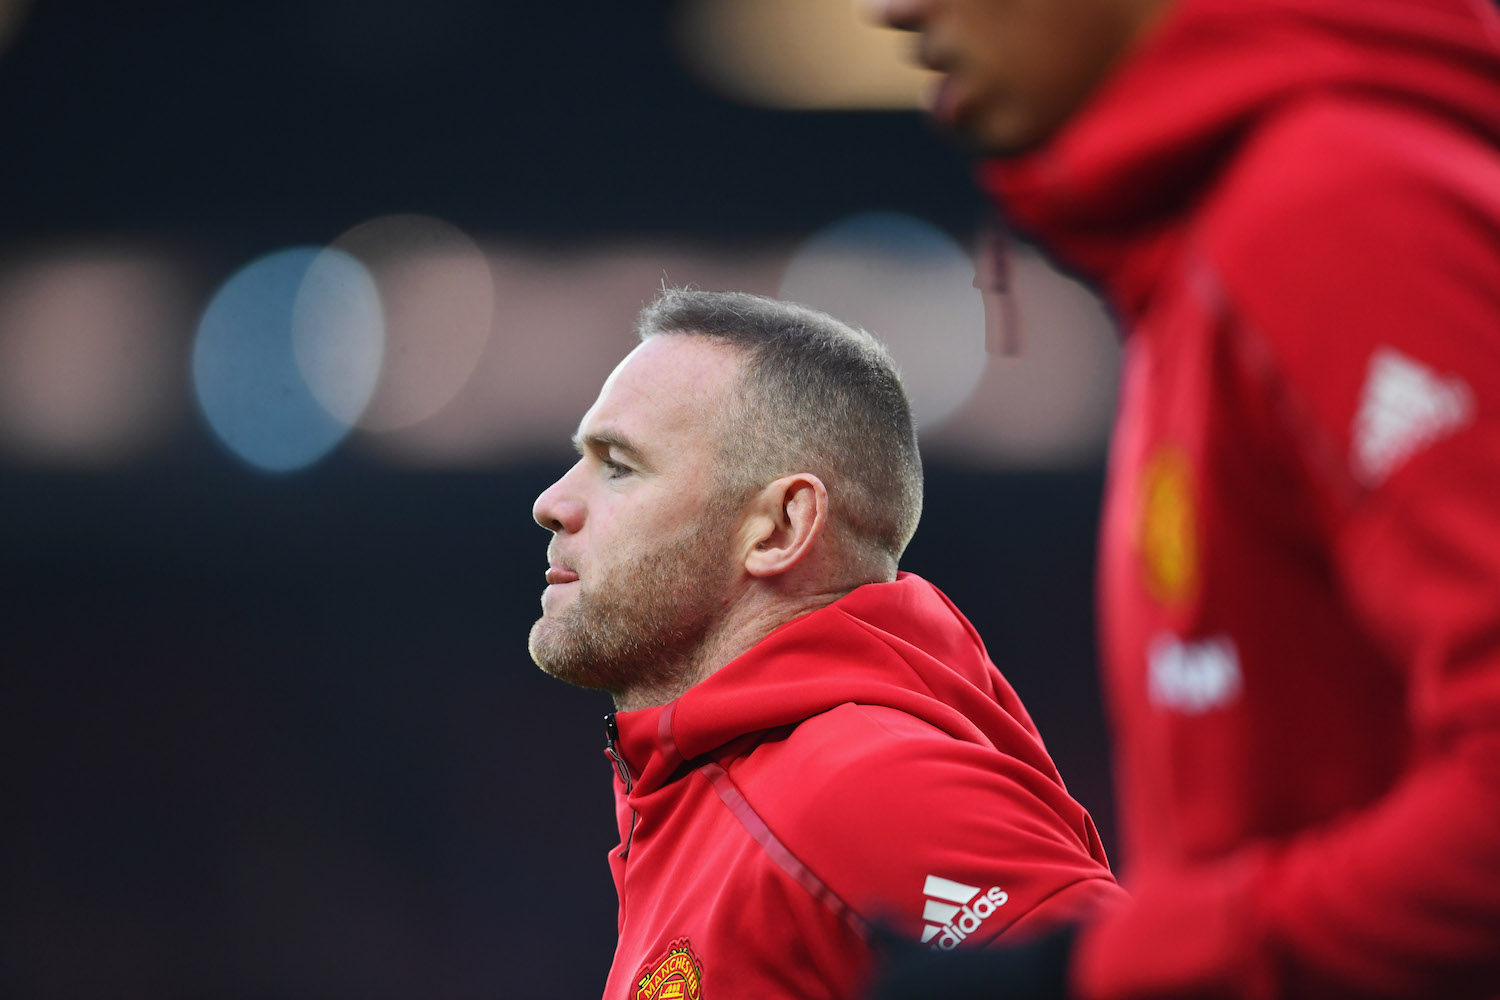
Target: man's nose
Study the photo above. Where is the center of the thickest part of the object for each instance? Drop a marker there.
(557, 509)
(904, 14)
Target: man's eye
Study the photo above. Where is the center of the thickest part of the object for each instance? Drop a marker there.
(613, 469)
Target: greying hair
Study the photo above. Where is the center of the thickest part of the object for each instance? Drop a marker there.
(815, 395)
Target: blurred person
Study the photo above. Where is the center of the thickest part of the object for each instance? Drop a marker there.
(807, 742)
(1294, 207)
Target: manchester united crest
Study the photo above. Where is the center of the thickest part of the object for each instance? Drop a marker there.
(1167, 533)
(677, 975)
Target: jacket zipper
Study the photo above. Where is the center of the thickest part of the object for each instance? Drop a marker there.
(612, 747)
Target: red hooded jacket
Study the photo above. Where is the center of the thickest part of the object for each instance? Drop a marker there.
(1295, 205)
(865, 762)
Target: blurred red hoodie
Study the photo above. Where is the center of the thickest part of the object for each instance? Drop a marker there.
(1295, 207)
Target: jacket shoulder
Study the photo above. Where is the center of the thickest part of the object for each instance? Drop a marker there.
(1350, 239)
(881, 806)
(1350, 196)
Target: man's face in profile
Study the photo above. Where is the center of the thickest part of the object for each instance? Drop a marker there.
(1013, 70)
(639, 563)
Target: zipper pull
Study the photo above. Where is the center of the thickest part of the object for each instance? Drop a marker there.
(612, 747)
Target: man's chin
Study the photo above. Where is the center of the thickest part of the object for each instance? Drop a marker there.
(990, 136)
(551, 651)
(542, 645)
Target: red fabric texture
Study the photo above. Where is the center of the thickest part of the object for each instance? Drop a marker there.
(808, 789)
(1295, 206)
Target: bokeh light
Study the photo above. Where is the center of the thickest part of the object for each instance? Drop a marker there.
(438, 300)
(798, 54)
(90, 343)
(568, 317)
(338, 335)
(910, 284)
(282, 325)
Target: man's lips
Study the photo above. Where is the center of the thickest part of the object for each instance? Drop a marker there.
(560, 574)
(945, 101)
(942, 94)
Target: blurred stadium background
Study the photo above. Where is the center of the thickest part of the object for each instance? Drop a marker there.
(299, 303)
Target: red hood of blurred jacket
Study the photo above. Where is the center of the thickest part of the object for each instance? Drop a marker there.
(1108, 193)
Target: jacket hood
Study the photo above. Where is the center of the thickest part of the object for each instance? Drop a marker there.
(1105, 192)
(901, 645)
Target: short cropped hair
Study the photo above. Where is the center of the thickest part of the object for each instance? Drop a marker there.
(815, 395)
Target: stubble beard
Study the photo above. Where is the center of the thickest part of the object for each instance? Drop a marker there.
(642, 625)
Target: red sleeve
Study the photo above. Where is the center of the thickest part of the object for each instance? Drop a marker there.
(1402, 898)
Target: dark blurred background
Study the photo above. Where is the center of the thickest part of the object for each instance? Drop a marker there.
(267, 719)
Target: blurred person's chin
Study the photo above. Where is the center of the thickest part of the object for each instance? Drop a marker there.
(992, 127)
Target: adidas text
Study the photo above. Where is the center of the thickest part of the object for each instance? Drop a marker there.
(957, 922)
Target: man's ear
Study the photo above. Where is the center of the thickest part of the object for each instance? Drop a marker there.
(784, 521)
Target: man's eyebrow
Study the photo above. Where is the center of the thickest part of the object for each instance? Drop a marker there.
(603, 441)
